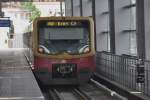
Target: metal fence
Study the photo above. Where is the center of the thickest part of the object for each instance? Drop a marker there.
(125, 70)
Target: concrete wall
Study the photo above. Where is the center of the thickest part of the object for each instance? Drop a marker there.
(87, 7)
(102, 24)
(68, 7)
(147, 27)
(122, 22)
(76, 7)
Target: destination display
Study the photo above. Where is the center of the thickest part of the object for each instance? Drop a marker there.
(72, 23)
(60, 23)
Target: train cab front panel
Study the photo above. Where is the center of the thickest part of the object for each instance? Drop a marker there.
(63, 49)
(60, 71)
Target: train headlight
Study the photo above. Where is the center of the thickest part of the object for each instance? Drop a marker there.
(41, 50)
(86, 50)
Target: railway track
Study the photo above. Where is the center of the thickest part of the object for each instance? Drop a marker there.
(89, 91)
(97, 92)
(67, 94)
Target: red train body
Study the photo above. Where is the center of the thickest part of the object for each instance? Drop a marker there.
(44, 71)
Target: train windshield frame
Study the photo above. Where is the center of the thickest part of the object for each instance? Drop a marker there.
(59, 37)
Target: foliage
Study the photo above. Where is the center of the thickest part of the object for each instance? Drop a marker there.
(32, 9)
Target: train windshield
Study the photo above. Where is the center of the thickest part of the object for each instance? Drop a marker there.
(64, 39)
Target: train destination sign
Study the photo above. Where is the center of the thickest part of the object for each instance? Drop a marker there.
(4, 23)
(72, 23)
(63, 23)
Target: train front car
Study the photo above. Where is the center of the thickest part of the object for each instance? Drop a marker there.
(63, 50)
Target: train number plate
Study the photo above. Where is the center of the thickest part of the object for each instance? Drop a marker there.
(64, 70)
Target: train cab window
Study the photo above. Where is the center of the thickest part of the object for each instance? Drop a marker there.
(71, 40)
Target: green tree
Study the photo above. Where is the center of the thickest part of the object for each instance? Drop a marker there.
(32, 8)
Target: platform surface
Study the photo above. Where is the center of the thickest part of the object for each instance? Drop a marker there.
(17, 81)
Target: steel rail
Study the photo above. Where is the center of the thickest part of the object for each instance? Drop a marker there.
(55, 94)
(112, 93)
(81, 95)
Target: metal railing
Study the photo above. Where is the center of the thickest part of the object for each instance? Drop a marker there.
(125, 70)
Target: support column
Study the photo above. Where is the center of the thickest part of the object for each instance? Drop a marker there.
(140, 29)
(81, 8)
(93, 10)
(94, 18)
(112, 26)
(72, 8)
(61, 9)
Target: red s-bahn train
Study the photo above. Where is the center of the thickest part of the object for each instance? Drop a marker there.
(63, 50)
